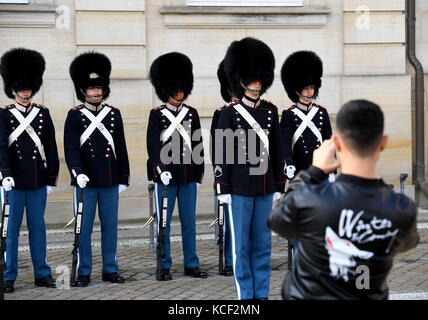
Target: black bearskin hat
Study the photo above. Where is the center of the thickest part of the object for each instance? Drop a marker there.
(224, 84)
(170, 73)
(90, 69)
(301, 69)
(22, 69)
(248, 60)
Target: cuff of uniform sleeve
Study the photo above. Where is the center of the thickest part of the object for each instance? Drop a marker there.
(221, 188)
(280, 186)
(4, 173)
(317, 174)
(52, 181)
(75, 171)
(289, 162)
(124, 179)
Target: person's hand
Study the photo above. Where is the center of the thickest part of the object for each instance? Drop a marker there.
(122, 188)
(325, 157)
(82, 180)
(49, 190)
(166, 177)
(276, 196)
(290, 172)
(8, 183)
(225, 198)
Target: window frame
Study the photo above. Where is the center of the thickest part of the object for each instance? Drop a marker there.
(245, 3)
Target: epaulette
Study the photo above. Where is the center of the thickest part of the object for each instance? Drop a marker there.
(78, 107)
(10, 106)
(111, 107)
(269, 102)
(159, 107)
(40, 106)
(317, 105)
(190, 107)
(231, 104)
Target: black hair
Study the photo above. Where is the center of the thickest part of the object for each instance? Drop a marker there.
(360, 124)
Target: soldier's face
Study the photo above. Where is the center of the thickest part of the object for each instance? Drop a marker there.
(179, 95)
(255, 85)
(26, 93)
(95, 94)
(308, 92)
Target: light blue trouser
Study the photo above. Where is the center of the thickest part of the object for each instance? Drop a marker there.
(35, 203)
(186, 196)
(251, 245)
(108, 205)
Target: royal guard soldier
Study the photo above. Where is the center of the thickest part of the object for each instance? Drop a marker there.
(29, 162)
(97, 158)
(305, 125)
(174, 146)
(251, 175)
(228, 97)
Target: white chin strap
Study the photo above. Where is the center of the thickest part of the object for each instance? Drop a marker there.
(250, 90)
(22, 98)
(92, 97)
(307, 98)
(175, 100)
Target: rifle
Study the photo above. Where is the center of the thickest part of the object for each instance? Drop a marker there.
(4, 225)
(161, 236)
(152, 217)
(77, 229)
(220, 240)
(3, 234)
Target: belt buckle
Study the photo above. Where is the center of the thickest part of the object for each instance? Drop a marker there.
(179, 127)
(101, 126)
(29, 130)
(256, 127)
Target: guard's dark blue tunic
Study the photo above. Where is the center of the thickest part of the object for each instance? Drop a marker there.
(22, 159)
(301, 155)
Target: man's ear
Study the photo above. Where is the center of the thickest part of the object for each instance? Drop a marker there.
(337, 142)
(384, 142)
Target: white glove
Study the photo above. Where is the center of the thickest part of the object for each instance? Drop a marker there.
(8, 183)
(290, 171)
(49, 190)
(166, 177)
(122, 188)
(225, 198)
(198, 185)
(82, 180)
(276, 196)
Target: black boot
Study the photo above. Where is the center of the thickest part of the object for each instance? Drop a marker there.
(8, 286)
(164, 275)
(113, 277)
(83, 281)
(195, 272)
(47, 282)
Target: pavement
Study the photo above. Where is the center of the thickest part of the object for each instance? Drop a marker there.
(408, 279)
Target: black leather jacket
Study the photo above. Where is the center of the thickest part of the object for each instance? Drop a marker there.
(348, 232)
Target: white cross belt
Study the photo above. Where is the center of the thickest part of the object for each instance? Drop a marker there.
(25, 125)
(176, 125)
(306, 122)
(97, 124)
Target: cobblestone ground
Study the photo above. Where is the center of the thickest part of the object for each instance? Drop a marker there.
(407, 281)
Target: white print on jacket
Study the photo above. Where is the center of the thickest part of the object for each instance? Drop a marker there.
(342, 253)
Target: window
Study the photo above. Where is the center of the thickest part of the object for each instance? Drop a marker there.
(248, 3)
